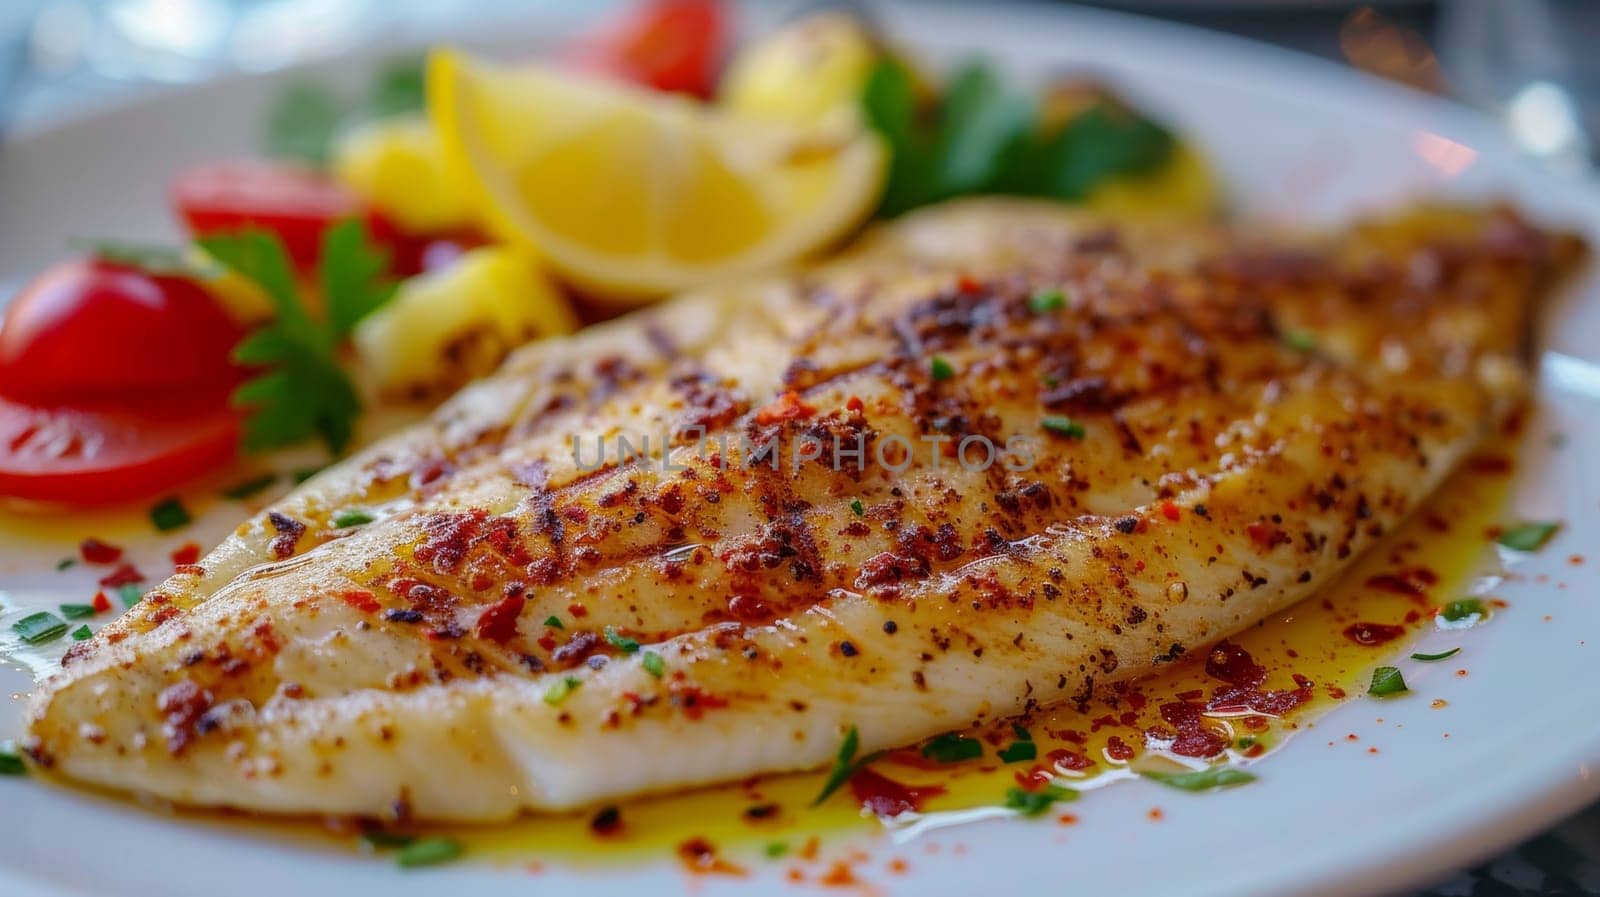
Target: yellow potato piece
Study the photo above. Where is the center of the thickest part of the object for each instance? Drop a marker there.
(398, 166)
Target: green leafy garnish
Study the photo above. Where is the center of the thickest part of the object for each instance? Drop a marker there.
(77, 611)
(1300, 340)
(130, 594)
(952, 748)
(1387, 681)
(554, 622)
(776, 849)
(845, 765)
(653, 664)
(1201, 779)
(66, 564)
(940, 369)
(246, 488)
(558, 692)
(40, 627)
(1047, 301)
(82, 633)
(154, 259)
(428, 852)
(1019, 751)
(621, 642)
(857, 508)
(1469, 610)
(304, 392)
(11, 759)
(302, 122)
(1442, 655)
(378, 838)
(1033, 803)
(1063, 425)
(170, 514)
(1528, 536)
(398, 88)
(352, 517)
(1246, 742)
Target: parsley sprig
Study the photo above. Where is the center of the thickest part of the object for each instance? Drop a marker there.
(303, 392)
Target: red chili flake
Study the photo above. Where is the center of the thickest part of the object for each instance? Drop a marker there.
(1072, 761)
(1266, 536)
(577, 610)
(839, 875)
(1407, 581)
(789, 406)
(886, 797)
(187, 553)
(1117, 749)
(1033, 778)
(1194, 738)
(190, 570)
(124, 575)
(499, 621)
(700, 856)
(101, 603)
(1370, 634)
(969, 284)
(749, 609)
(1489, 464)
(854, 403)
(1234, 665)
(694, 700)
(1170, 510)
(607, 822)
(95, 551)
(361, 600)
(547, 642)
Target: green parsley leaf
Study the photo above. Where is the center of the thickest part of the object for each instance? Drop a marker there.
(1063, 425)
(82, 634)
(952, 748)
(398, 88)
(1528, 536)
(1019, 751)
(940, 369)
(1105, 141)
(378, 839)
(1442, 655)
(41, 627)
(130, 594)
(1034, 803)
(352, 517)
(1203, 779)
(11, 759)
(621, 642)
(246, 488)
(554, 622)
(653, 664)
(302, 122)
(1021, 733)
(66, 564)
(1300, 340)
(1246, 742)
(558, 692)
(170, 261)
(776, 849)
(982, 125)
(1387, 681)
(1468, 610)
(170, 514)
(428, 852)
(77, 611)
(1047, 301)
(845, 765)
(859, 509)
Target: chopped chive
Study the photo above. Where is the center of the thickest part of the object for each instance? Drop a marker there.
(952, 748)
(1019, 751)
(845, 765)
(1063, 425)
(1387, 681)
(653, 664)
(776, 849)
(940, 369)
(40, 627)
(428, 852)
(77, 611)
(1246, 742)
(1469, 610)
(1033, 803)
(858, 508)
(621, 642)
(130, 594)
(1021, 733)
(553, 622)
(11, 759)
(378, 838)
(1528, 536)
(1300, 340)
(170, 514)
(1202, 779)
(558, 692)
(1047, 300)
(352, 517)
(1442, 655)
(246, 488)
(82, 633)
(66, 563)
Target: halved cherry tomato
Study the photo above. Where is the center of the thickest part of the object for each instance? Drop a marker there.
(87, 328)
(106, 453)
(295, 202)
(672, 45)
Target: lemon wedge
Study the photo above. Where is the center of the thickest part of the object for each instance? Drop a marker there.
(633, 194)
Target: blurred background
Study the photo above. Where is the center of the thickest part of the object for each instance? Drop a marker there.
(1531, 64)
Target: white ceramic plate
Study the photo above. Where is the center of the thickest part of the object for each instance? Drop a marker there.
(1297, 140)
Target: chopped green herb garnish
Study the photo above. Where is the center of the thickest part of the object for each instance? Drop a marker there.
(40, 627)
(352, 517)
(653, 664)
(845, 765)
(1033, 803)
(66, 563)
(301, 474)
(246, 488)
(859, 509)
(302, 122)
(1442, 655)
(397, 88)
(1019, 751)
(170, 514)
(130, 594)
(1463, 609)
(378, 838)
(621, 642)
(428, 852)
(953, 748)
(77, 611)
(558, 692)
(1021, 733)
(940, 369)
(554, 622)
(1047, 301)
(1528, 536)
(11, 759)
(1202, 779)
(303, 392)
(1063, 425)
(776, 849)
(1387, 681)
(82, 634)
(1300, 340)
(1246, 742)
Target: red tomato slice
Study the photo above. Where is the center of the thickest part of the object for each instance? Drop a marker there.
(86, 328)
(104, 454)
(672, 45)
(295, 202)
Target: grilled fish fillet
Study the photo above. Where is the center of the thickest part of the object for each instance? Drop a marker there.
(1253, 414)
